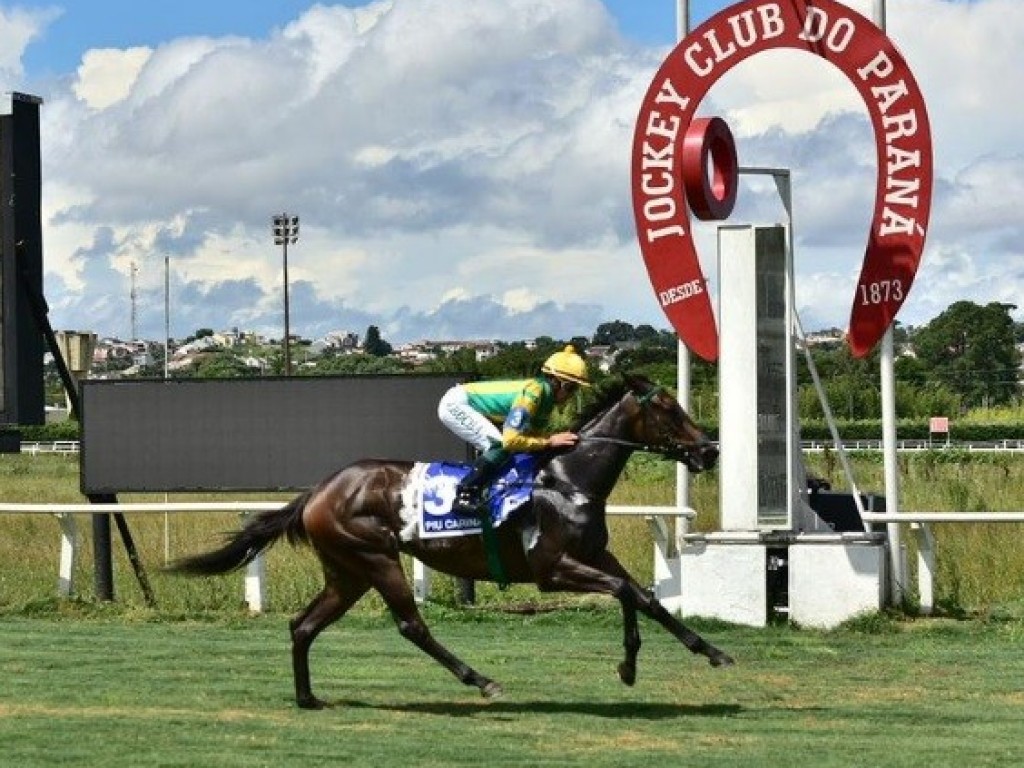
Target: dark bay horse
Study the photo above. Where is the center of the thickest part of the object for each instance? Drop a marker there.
(354, 522)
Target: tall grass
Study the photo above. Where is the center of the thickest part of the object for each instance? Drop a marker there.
(980, 567)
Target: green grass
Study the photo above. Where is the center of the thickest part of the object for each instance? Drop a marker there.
(198, 681)
(97, 687)
(980, 567)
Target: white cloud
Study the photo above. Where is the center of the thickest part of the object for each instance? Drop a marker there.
(463, 167)
(520, 300)
(106, 76)
(455, 294)
(18, 28)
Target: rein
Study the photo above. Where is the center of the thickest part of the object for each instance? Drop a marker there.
(625, 443)
(662, 450)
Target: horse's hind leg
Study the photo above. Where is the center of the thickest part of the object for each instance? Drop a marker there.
(327, 607)
(389, 580)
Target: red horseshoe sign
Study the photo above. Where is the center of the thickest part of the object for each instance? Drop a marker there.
(668, 141)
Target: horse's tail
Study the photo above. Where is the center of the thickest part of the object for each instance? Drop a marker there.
(244, 546)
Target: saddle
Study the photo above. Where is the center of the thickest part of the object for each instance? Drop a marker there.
(432, 489)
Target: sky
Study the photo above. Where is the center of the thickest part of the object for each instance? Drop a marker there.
(461, 167)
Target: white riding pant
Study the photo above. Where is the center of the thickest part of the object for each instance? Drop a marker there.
(468, 423)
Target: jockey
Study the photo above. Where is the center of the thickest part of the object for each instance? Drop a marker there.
(500, 418)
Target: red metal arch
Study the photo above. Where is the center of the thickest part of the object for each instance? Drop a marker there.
(836, 33)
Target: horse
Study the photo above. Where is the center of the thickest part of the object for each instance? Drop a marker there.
(353, 520)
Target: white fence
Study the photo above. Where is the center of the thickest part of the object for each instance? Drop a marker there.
(918, 446)
(666, 545)
(255, 574)
(812, 446)
(56, 446)
(926, 551)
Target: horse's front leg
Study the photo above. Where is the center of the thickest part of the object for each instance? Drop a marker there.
(649, 606)
(630, 641)
(565, 574)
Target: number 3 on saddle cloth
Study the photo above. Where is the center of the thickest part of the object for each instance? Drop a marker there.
(427, 498)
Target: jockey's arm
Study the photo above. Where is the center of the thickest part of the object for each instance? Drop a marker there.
(517, 435)
(514, 435)
(517, 431)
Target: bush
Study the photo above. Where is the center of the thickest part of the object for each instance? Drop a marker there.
(60, 430)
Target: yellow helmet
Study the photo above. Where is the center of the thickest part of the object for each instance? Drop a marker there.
(567, 365)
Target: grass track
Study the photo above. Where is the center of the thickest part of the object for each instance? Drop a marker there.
(137, 691)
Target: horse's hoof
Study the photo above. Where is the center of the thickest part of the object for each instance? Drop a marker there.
(721, 660)
(492, 690)
(310, 702)
(627, 673)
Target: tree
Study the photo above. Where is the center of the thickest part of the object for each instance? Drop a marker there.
(610, 333)
(358, 364)
(970, 349)
(514, 361)
(221, 364)
(646, 334)
(580, 343)
(200, 333)
(374, 345)
(458, 361)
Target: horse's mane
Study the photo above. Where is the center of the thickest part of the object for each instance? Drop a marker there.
(605, 395)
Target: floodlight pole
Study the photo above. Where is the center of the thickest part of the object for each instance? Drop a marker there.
(167, 314)
(286, 230)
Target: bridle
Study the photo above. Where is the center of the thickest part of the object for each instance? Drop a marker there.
(669, 448)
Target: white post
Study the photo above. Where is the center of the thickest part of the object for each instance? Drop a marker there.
(68, 550)
(420, 581)
(668, 585)
(925, 567)
(887, 371)
(753, 406)
(897, 562)
(682, 473)
(255, 576)
(682, 19)
(737, 376)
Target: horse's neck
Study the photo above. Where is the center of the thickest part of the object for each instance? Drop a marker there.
(594, 466)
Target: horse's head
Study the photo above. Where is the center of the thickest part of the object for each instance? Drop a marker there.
(659, 422)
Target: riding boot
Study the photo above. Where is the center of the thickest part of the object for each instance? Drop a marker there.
(470, 489)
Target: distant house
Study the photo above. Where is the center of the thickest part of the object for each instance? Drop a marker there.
(341, 340)
(195, 346)
(255, 363)
(414, 354)
(601, 355)
(832, 336)
(108, 349)
(230, 338)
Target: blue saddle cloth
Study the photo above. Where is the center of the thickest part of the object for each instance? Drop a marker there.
(505, 494)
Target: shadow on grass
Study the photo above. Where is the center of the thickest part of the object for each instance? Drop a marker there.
(617, 710)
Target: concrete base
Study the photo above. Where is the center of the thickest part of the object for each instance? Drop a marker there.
(724, 580)
(829, 578)
(833, 581)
